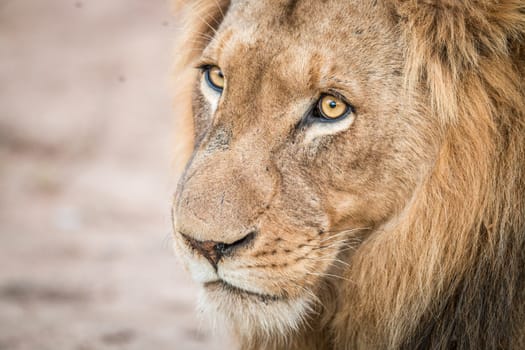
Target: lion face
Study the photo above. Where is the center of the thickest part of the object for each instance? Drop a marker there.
(304, 147)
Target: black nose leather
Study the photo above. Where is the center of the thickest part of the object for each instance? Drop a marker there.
(214, 251)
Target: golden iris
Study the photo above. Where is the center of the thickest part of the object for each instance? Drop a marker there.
(332, 107)
(215, 78)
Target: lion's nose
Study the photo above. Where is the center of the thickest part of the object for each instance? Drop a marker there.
(214, 251)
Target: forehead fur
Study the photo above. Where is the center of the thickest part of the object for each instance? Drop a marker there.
(346, 28)
(308, 46)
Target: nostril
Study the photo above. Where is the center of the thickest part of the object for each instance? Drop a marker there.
(204, 248)
(222, 248)
(214, 251)
(227, 249)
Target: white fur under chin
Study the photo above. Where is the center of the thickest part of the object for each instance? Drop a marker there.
(250, 317)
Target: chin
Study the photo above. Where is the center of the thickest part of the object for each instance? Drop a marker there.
(251, 314)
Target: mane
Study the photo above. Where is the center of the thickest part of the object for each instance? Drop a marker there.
(456, 255)
(449, 272)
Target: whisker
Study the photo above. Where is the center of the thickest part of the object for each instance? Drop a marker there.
(329, 260)
(331, 244)
(344, 232)
(330, 275)
(337, 244)
(207, 23)
(219, 7)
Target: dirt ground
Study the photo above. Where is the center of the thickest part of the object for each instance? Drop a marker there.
(86, 178)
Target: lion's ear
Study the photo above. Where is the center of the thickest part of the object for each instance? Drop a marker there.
(446, 39)
(198, 20)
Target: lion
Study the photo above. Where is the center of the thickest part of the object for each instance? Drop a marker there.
(357, 177)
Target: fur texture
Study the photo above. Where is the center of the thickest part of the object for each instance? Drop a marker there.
(402, 229)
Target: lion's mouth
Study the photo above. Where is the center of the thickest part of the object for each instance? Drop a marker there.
(221, 285)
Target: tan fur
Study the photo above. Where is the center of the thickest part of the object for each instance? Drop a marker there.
(405, 229)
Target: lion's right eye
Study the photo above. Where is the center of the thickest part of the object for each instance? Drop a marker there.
(331, 108)
(214, 77)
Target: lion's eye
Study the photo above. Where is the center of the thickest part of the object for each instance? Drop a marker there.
(214, 77)
(330, 107)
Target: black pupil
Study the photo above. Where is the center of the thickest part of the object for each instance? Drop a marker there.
(332, 104)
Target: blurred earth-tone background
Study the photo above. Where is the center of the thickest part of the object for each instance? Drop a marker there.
(86, 179)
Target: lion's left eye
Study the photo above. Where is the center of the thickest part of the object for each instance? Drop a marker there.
(214, 77)
(330, 107)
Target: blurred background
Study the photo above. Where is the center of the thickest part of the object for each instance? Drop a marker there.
(86, 179)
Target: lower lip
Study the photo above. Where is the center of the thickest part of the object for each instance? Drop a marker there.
(228, 288)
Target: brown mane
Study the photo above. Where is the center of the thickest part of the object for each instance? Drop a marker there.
(450, 272)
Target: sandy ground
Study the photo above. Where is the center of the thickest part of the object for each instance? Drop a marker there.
(86, 177)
